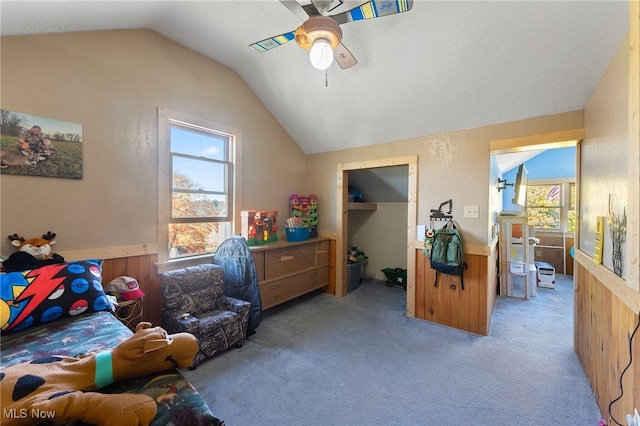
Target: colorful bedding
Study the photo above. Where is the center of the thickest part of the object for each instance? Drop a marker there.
(179, 403)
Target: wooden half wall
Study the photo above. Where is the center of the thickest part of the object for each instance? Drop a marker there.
(607, 307)
(138, 262)
(141, 262)
(603, 328)
(143, 269)
(447, 303)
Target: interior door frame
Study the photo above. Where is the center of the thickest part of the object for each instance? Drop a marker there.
(342, 221)
(568, 138)
(549, 141)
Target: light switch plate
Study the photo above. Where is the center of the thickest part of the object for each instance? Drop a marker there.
(471, 212)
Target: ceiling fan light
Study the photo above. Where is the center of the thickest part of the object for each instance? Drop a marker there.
(321, 54)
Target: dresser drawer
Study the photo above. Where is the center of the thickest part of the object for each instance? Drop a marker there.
(280, 290)
(323, 246)
(287, 270)
(290, 252)
(258, 259)
(314, 279)
(285, 262)
(276, 292)
(323, 253)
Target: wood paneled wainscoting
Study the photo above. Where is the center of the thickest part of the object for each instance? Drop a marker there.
(143, 269)
(554, 248)
(603, 326)
(138, 262)
(141, 262)
(469, 309)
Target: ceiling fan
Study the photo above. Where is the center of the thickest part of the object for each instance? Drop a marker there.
(320, 33)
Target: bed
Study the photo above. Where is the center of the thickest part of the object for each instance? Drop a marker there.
(178, 401)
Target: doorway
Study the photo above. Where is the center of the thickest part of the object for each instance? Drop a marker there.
(342, 212)
(553, 237)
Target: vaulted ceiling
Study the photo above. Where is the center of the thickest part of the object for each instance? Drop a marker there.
(440, 67)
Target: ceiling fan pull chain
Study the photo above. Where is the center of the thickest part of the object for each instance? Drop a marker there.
(326, 79)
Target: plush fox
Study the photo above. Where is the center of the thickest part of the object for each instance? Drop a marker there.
(63, 388)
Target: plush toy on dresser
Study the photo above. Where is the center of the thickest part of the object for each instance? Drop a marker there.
(63, 388)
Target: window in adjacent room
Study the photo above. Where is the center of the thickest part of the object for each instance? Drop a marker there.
(571, 213)
(196, 185)
(550, 205)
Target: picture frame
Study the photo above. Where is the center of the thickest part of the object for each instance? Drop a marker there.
(40, 146)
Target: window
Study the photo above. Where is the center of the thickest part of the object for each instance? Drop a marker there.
(571, 219)
(196, 185)
(550, 205)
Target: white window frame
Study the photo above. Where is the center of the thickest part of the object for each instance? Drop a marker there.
(167, 118)
(565, 205)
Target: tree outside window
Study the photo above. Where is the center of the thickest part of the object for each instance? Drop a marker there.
(547, 207)
(201, 189)
(571, 222)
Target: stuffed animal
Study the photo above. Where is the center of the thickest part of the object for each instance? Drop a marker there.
(32, 253)
(63, 388)
(40, 248)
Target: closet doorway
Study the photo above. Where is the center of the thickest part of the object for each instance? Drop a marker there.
(342, 220)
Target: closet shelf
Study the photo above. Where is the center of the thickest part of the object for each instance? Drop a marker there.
(362, 206)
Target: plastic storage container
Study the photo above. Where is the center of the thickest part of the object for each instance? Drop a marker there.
(546, 275)
(354, 274)
(297, 234)
(533, 276)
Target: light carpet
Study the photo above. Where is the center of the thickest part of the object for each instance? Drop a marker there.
(359, 360)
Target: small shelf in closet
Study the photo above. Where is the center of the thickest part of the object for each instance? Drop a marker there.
(362, 206)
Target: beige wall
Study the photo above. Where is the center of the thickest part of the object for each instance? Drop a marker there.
(450, 166)
(382, 235)
(112, 82)
(604, 152)
(607, 306)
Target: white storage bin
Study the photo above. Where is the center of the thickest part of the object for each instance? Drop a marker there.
(533, 272)
(546, 275)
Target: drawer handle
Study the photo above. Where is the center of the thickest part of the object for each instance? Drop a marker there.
(286, 258)
(274, 286)
(274, 298)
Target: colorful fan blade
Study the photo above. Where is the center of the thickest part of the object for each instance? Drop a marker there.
(374, 9)
(271, 42)
(343, 57)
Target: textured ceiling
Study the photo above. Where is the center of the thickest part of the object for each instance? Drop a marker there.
(443, 66)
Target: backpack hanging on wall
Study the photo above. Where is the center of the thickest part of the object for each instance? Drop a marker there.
(446, 253)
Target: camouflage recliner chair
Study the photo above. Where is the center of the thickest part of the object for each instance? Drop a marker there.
(195, 302)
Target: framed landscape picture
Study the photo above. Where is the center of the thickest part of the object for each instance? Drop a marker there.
(39, 146)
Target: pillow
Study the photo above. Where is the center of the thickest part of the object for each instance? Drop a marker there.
(45, 294)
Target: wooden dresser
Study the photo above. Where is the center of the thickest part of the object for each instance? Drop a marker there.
(287, 270)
